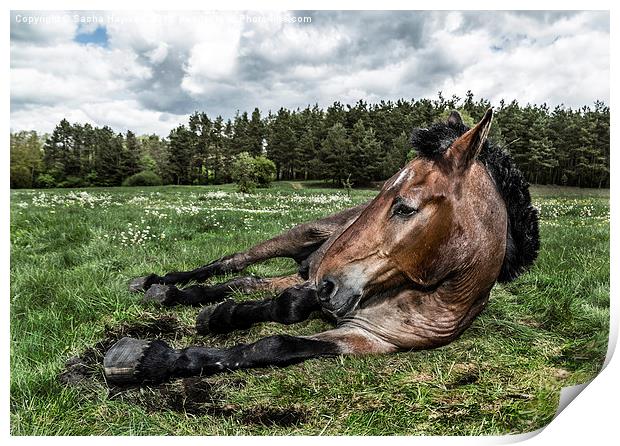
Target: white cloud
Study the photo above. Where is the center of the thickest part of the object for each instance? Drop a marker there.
(70, 71)
(213, 59)
(120, 115)
(129, 115)
(158, 54)
(157, 67)
(572, 70)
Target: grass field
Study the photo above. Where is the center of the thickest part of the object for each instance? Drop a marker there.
(72, 253)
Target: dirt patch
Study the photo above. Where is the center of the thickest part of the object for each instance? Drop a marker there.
(88, 364)
(195, 396)
(75, 372)
(199, 396)
(464, 374)
(419, 378)
(469, 378)
(560, 373)
(161, 327)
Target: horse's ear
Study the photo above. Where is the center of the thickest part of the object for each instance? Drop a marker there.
(466, 148)
(455, 119)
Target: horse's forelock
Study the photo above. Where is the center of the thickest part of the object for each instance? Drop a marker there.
(433, 142)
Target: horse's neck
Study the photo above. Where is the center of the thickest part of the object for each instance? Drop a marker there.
(414, 319)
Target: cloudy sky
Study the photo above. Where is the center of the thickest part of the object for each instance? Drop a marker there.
(148, 71)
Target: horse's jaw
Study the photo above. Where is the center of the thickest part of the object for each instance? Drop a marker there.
(349, 307)
(411, 318)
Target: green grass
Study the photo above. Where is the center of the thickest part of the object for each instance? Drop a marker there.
(72, 255)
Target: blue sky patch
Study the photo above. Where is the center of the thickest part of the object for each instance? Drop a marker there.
(97, 37)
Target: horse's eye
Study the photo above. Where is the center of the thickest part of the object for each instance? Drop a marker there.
(403, 210)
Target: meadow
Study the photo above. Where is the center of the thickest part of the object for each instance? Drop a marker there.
(73, 252)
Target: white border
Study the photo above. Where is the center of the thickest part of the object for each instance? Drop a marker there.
(591, 418)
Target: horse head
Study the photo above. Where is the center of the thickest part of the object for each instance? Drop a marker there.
(432, 242)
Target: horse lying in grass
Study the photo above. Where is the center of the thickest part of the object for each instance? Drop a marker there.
(410, 269)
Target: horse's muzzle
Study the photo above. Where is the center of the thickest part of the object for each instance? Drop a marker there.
(334, 299)
(326, 289)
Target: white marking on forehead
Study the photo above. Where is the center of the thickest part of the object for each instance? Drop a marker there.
(401, 177)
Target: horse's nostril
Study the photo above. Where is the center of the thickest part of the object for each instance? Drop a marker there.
(326, 289)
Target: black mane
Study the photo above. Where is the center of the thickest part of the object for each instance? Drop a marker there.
(522, 241)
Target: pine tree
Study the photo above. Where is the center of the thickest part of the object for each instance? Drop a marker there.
(56, 148)
(557, 125)
(307, 150)
(255, 134)
(280, 142)
(364, 156)
(308, 131)
(200, 126)
(358, 113)
(396, 156)
(108, 165)
(87, 155)
(228, 154)
(601, 139)
(542, 156)
(180, 154)
(240, 141)
(72, 156)
(334, 154)
(512, 122)
(216, 149)
(130, 159)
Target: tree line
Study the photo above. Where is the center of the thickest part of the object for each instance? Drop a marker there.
(343, 144)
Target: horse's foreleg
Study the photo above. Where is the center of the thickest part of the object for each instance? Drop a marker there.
(198, 295)
(295, 304)
(132, 360)
(297, 243)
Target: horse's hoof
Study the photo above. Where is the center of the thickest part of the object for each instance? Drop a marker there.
(121, 361)
(216, 319)
(162, 294)
(203, 318)
(131, 361)
(141, 284)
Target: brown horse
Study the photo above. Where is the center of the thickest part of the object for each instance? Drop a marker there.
(411, 269)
